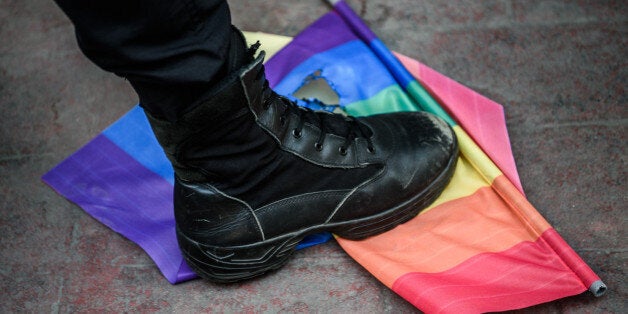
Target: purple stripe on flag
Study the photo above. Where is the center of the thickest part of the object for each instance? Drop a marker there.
(301, 48)
(124, 195)
(355, 22)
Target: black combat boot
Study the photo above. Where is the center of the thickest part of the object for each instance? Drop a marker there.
(255, 174)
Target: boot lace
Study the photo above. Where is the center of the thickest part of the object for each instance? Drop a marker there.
(346, 126)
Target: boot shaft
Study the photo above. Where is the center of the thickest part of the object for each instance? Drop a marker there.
(222, 107)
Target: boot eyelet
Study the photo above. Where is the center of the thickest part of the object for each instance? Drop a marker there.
(296, 133)
(318, 146)
(370, 149)
(342, 150)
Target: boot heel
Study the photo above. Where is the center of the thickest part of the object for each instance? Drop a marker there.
(236, 263)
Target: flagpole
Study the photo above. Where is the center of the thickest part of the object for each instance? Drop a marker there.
(474, 154)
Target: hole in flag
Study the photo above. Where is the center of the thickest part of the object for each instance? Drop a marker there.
(316, 87)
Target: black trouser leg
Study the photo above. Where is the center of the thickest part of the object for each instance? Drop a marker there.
(170, 51)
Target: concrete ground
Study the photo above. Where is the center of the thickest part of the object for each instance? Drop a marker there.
(558, 67)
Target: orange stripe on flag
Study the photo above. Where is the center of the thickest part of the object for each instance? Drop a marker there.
(443, 237)
(520, 205)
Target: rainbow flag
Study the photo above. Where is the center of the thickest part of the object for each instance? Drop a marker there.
(480, 247)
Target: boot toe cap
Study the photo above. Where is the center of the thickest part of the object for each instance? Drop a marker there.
(419, 151)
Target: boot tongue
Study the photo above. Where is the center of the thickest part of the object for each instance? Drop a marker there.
(334, 124)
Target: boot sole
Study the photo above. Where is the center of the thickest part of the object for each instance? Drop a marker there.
(236, 263)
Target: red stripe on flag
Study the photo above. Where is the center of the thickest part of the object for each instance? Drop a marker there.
(537, 223)
(529, 273)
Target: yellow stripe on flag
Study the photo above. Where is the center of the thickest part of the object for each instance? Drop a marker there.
(480, 161)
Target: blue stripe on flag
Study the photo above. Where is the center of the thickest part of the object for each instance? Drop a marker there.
(132, 133)
(397, 69)
(351, 69)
